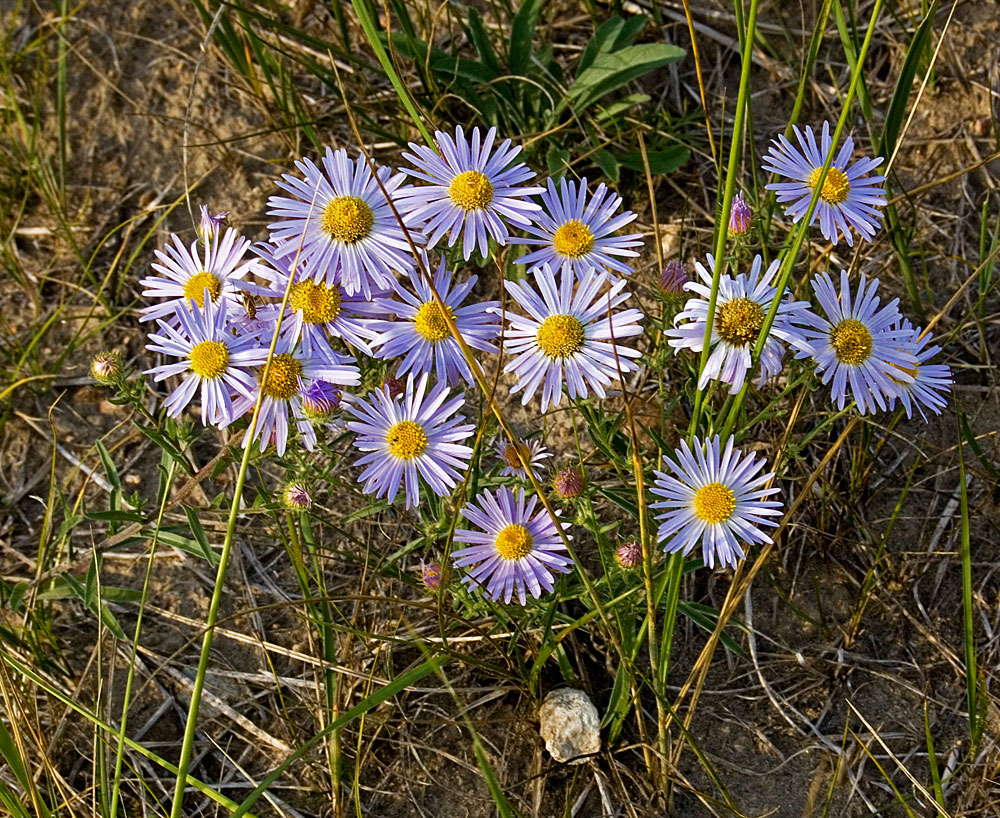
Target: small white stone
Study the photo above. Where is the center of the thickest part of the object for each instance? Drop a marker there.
(570, 725)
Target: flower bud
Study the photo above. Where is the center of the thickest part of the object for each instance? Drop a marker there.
(629, 554)
(673, 278)
(320, 399)
(432, 575)
(211, 223)
(569, 483)
(106, 367)
(296, 497)
(740, 216)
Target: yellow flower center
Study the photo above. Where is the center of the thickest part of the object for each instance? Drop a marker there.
(851, 341)
(738, 322)
(348, 219)
(407, 440)
(282, 378)
(514, 542)
(835, 187)
(318, 303)
(714, 503)
(560, 336)
(471, 190)
(573, 239)
(209, 359)
(431, 323)
(517, 455)
(194, 288)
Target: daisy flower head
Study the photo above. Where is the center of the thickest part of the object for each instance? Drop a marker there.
(514, 455)
(577, 233)
(342, 222)
(415, 435)
(716, 497)
(472, 190)
(567, 334)
(741, 308)
(848, 199)
(929, 380)
(420, 334)
(212, 360)
(293, 369)
(859, 347)
(216, 263)
(316, 309)
(517, 551)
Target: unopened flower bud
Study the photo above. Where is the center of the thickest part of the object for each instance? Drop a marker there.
(740, 216)
(320, 399)
(394, 386)
(629, 554)
(569, 483)
(432, 574)
(106, 367)
(296, 496)
(211, 223)
(673, 278)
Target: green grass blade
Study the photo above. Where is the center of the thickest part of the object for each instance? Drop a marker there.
(968, 634)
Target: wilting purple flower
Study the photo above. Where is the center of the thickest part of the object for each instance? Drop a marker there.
(673, 278)
(569, 483)
(394, 386)
(431, 574)
(211, 223)
(629, 555)
(296, 497)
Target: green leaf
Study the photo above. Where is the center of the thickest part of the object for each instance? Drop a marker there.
(897, 107)
(611, 71)
(612, 35)
(522, 32)
(660, 162)
(607, 163)
(480, 38)
(109, 466)
(200, 536)
(557, 160)
(182, 543)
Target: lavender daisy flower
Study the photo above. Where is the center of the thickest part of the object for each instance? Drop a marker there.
(716, 499)
(341, 220)
(421, 334)
(407, 437)
(317, 309)
(472, 190)
(212, 358)
(215, 264)
(848, 198)
(291, 372)
(516, 552)
(515, 455)
(929, 380)
(578, 234)
(740, 309)
(857, 346)
(567, 334)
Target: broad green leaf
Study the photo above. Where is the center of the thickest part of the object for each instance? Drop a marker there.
(522, 32)
(612, 35)
(611, 71)
(480, 38)
(557, 160)
(660, 162)
(606, 162)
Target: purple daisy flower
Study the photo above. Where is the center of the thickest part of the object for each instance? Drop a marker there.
(848, 198)
(578, 234)
(716, 499)
(291, 372)
(515, 455)
(342, 222)
(929, 380)
(859, 346)
(316, 309)
(472, 190)
(410, 436)
(421, 334)
(215, 264)
(740, 309)
(212, 358)
(518, 550)
(567, 333)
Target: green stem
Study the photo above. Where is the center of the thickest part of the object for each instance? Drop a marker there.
(788, 260)
(722, 225)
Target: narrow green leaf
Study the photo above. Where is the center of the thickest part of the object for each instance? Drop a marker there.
(613, 34)
(200, 536)
(611, 71)
(660, 162)
(607, 163)
(109, 466)
(522, 32)
(480, 38)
